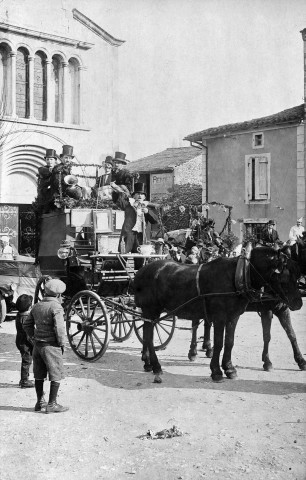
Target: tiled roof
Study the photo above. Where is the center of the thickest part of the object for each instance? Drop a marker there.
(295, 114)
(164, 160)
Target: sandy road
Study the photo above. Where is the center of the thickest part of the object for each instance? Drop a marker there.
(250, 428)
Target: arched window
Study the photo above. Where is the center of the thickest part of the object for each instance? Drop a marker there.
(40, 86)
(74, 101)
(22, 83)
(58, 88)
(4, 81)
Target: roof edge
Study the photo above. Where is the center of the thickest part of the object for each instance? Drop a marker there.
(249, 125)
(88, 23)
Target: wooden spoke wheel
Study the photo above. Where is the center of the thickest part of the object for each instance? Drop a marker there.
(122, 323)
(163, 331)
(87, 325)
(40, 288)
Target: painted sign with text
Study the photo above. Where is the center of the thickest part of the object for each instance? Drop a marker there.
(161, 184)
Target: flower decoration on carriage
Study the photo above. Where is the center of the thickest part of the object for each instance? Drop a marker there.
(182, 209)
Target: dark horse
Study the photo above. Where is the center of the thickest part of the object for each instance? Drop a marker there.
(209, 291)
(266, 310)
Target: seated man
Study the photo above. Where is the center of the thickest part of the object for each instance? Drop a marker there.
(269, 235)
(7, 251)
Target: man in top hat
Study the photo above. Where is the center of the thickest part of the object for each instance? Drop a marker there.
(102, 188)
(44, 179)
(296, 231)
(137, 217)
(121, 176)
(60, 171)
(269, 235)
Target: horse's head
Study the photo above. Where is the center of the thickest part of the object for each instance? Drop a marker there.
(276, 270)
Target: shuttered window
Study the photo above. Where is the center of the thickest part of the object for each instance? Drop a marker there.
(40, 87)
(257, 178)
(22, 83)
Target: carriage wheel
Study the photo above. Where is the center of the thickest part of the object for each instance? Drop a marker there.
(163, 331)
(121, 322)
(87, 325)
(40, 288)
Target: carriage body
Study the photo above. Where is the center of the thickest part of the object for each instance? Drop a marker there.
(80, 246)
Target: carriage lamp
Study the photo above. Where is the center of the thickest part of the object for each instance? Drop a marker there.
(64, 250)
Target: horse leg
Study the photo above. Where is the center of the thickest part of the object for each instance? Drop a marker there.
(266, 321)
(193, 345)
(229, 369)
(216, 372)
(285, 321)
(148, 345)
(206, 346)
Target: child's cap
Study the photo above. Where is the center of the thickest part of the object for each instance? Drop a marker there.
(24, 302)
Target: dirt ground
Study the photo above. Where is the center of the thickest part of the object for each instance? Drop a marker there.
(250, 428)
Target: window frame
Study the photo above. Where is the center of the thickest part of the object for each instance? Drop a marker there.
(252, 181)
(254, 140)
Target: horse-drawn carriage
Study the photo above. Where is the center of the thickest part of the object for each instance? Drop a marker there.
(80, 246)
(112, 294)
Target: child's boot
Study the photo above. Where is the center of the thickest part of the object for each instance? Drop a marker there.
(52, 406)
(41, 402)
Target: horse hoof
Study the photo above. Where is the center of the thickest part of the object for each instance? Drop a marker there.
(302, 365)
(209, 353)
(148, 368)
(217, 377)
(192, 358)
(267, 367)
(231, 375)
(157, 379)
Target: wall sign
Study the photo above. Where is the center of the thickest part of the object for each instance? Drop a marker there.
(161, 184)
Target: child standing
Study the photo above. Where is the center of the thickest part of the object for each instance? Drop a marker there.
(45, 327)
(23, 305)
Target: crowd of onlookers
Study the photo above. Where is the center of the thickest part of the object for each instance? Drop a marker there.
(210, 244)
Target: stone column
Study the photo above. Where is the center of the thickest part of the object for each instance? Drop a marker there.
(31, 86)
(65, 94)
(81, 93)
(13, 85)
(49, 91)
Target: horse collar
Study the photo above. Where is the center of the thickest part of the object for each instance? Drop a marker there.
(198, 279)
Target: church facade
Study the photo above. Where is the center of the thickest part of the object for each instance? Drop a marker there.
(58, 75)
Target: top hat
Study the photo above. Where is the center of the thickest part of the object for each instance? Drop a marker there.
(50, 153)
(139, 188)
(271, 222)
(67, 150)
(109, 159)
(120, 158)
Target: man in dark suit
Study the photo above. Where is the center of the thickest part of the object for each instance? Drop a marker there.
(138, 215)
(269, 235)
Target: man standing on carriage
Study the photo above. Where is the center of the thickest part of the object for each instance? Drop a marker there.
(138, 217)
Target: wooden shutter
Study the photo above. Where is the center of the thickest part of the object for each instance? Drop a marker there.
(261, 178)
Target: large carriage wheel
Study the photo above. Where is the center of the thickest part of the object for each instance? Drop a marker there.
(163, 331)
(122, 323)
(87, 325)
(40, 288)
